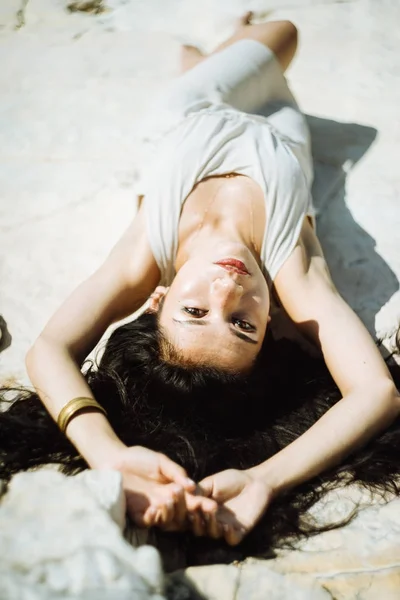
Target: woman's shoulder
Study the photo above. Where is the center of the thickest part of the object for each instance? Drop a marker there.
(137, 248)
(306, 247)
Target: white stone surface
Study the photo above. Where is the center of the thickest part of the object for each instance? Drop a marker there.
(248, 582)
(360, 560)
(60, 537)
(74, 88)
(73, 93)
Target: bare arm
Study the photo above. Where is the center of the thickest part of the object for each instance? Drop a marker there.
(157, 490)
(370, 400)
(115, 290)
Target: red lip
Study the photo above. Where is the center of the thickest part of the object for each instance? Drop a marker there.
(234, 265)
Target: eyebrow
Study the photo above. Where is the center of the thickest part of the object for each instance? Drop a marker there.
(238, 334)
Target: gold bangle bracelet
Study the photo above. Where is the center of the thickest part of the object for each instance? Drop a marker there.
(72, 407)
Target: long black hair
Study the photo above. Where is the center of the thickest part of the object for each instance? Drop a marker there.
(207, 421)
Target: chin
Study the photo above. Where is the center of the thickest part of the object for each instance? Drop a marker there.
(230, 246)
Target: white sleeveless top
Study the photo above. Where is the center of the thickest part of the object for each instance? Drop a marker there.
(218, 140)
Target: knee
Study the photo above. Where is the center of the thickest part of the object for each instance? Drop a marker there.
(285, 42)
(289, 31)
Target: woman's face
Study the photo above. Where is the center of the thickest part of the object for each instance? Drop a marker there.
(218, 313)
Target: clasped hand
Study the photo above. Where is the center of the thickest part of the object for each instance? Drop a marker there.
(159, 493)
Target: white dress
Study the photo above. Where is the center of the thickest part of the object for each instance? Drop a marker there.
(232, 113)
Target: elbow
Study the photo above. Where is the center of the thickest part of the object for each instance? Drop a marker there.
(40, 352)
(396, 400)
(33, 353)
(391, 395)
(383, 398)
(47, 350)
(393, 392)
(29, 356)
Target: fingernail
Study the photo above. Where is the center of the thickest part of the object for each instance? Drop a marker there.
(190, 481)
(152, 511)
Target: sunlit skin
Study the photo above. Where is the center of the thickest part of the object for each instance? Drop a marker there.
(223, 216)
(214, 314)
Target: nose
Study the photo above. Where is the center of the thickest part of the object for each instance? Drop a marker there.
(225, 290)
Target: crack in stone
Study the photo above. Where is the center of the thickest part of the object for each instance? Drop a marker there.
(301, 7)
(20, 15)
(239, 566)
(329, 592)
(95, 7)
(360, 571)
(53, 213)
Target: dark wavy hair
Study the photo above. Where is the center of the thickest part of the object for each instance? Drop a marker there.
(207, 421)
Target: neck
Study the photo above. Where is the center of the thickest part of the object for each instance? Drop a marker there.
(222, 212)
(214, 232)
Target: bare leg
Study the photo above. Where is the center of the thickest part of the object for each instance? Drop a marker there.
(279, 36)
(190, 57)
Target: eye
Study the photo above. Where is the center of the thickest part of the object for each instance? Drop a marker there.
(244, 325)
(197, 313)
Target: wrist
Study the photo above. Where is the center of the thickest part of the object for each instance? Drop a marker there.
(265, 473)
(95, 439)
(113, 457)
(109, 456)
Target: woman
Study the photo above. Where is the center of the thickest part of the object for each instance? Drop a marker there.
(226, 220)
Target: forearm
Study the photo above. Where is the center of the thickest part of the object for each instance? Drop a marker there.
(58, 379)
(348, 425)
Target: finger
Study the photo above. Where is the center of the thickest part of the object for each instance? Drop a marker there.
(206, 486)
(197, 524)
(178, 520)
(227, 523)
(165, 513)
(233, 532)
(207, 505)
(194, 503)
(173, 472)
(146, 518)
(236, 535)
(229, 535)
(209, 509)
(227, 529)
(213, 528)
(180, 509)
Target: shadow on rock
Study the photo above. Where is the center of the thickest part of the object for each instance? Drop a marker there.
(179, 587)
(361, 275)
(5, 335)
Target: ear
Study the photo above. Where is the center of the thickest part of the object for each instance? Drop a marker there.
(156, 297)
(269, 319)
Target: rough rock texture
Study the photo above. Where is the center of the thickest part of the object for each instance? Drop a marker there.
(244, 582)
(360, 560)
(60, 537)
